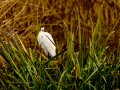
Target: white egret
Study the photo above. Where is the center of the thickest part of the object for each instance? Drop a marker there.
(47, 43)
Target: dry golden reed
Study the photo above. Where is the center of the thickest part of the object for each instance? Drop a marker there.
(58, 17)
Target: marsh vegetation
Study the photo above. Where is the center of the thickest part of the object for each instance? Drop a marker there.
(87, 41)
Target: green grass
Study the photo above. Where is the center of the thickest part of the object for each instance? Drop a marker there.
(88, 69)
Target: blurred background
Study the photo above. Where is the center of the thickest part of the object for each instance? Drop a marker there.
(58, 17)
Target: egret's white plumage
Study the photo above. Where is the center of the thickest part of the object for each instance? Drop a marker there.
(47, 43)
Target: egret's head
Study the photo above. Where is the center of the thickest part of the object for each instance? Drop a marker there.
(42, 29)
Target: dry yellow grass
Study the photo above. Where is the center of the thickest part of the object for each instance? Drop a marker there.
(57, 16)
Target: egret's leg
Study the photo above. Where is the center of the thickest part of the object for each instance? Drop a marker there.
(48, 56)
(48, 64)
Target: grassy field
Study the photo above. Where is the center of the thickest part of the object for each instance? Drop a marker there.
(86, 69)
(84, 61)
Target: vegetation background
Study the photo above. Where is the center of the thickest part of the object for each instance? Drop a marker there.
(21, 16)
(58, 17)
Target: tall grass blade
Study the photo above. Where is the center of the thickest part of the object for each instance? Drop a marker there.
(96, 28)
(22, 44)
(11, 85)
(37, 36)
(62, 75)
(68, 54)
(43, 55)
(90, 76)
(80, 48)
(91, 86)
(22, 78)
(108, 38)
(60, 58)
(4, 56)
(53, 57)
(51, 79)
(3, 84)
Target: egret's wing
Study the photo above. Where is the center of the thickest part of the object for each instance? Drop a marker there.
(49, 36)
(48, 45)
